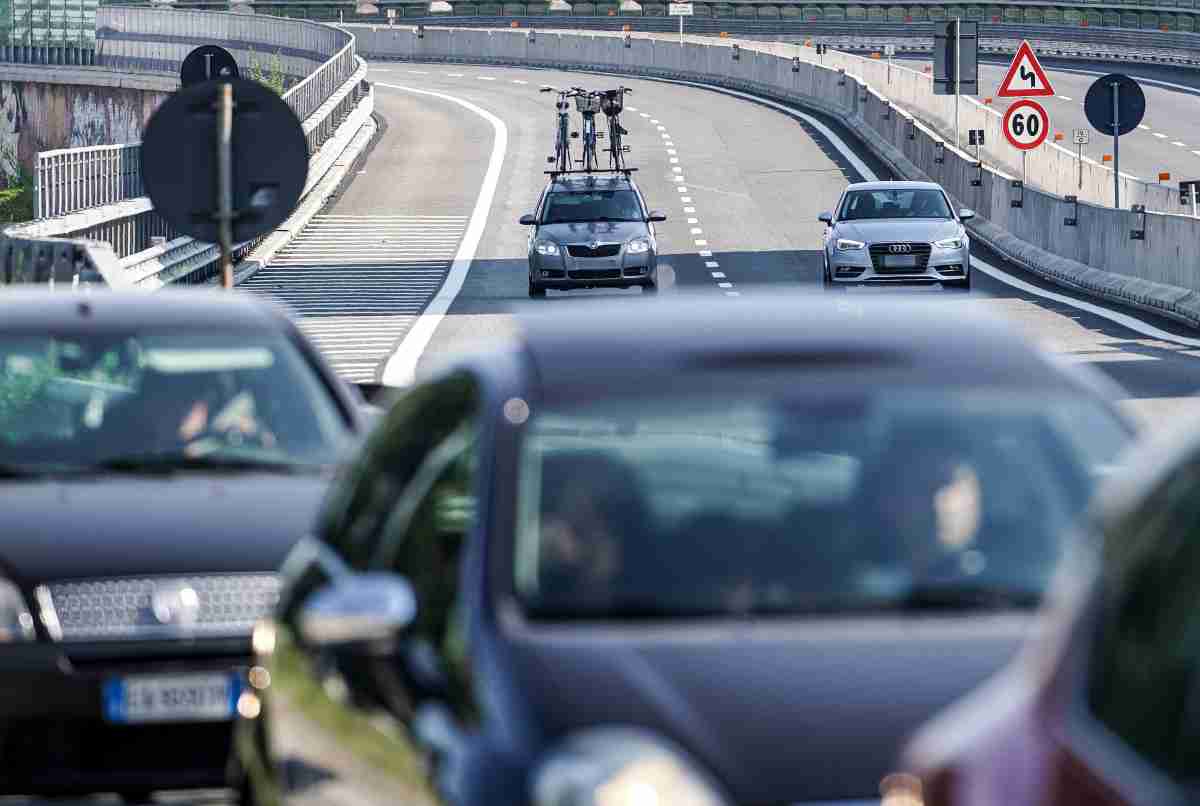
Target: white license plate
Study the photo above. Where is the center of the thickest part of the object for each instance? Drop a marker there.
(208, 697)
(900, 261)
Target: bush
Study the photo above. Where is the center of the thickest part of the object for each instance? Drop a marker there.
(273, 77)
(16, 204)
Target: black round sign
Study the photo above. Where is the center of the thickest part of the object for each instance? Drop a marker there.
(179, 160)
(207, 63)
(1131, 104)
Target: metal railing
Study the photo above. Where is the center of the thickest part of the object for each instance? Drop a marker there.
(71, 179)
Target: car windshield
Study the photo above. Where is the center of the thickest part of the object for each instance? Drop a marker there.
(910, 203)
(135, 399)
(592, 205)
(676, 508)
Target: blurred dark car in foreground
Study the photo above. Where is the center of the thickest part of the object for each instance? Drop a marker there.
(159, 455)
(693, 552)
(1104, 709)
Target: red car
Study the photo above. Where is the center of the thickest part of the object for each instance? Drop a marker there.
(1104, 706)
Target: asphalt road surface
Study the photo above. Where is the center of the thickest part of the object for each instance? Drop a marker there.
(741, 182)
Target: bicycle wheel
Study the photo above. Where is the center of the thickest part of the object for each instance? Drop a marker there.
(563, 149)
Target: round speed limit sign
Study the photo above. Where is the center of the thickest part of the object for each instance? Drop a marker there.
(1026, 124)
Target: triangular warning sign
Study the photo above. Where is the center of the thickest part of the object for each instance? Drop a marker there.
(1026, 78)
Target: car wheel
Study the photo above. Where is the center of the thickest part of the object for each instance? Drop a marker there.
(535, 291)
(137, 796)
(650, 288)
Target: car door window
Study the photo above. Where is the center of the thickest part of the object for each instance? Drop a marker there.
(1145, 680)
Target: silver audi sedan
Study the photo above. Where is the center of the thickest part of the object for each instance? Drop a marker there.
(896, 232)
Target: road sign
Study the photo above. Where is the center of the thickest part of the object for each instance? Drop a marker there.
(956, 54)
(1025, 77)
(1130, 109)
(180, 160)
(391, 13)
(1080, 136)
(206, 63)
(975, 137)
(889, 50)
(681, 9)
(1026, 124)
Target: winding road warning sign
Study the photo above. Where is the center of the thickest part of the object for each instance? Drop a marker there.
(1025, 78)
(1026, 124)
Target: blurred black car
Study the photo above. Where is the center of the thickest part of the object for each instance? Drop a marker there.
(159, 455)
(696, 552)
(1101, 710)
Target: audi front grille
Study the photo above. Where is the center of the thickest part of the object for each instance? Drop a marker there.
(920, 251)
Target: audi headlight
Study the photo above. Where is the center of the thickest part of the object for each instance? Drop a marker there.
(848, 245)
(546, 248)
(949, 243)
(16, 622)
(638, 246)
(622, 767)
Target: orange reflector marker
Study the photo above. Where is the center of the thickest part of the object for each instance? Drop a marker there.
(1058, 136)
(808, 43)
(626, 27)
(1163, 28)
(514, 24)
(1163, 176)
(987, 100)
(876, 55)
(1106, 158)
(724, 34)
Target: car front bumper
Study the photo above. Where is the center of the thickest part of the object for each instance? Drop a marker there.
(857, 266)
(54, 738)
(563, 271)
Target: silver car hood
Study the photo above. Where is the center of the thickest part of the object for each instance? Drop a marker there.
(898, 229)
(605, 232)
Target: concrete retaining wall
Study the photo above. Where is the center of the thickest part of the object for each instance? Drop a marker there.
(1098, 255)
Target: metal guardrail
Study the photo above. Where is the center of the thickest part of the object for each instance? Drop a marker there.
(56, 260)
(71, 179)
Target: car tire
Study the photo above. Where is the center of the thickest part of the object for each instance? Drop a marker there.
(536, 291)
(136, 796)
(650, 288)
(826, 277)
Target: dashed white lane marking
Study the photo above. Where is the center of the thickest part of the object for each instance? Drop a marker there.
(519, 81)
(677, 170)
(454, 75)
(358, 283)
(689, 209)
(1177, 143)
(693, 221)
(711, 264)
(645, 114)
(666, 136)
(486, 78)
(418, 72)
(400, 369)
(1065, 98)
(654, 120)
(719, 275)
(1160, 135)
(687, 200)
(631, 108)
(705, 253)
(671, 151)
(733, 293)
(1143, 126)
(673, 160)
(683, 190)
(724, 285)
(1197, 153)
(701, 242)
(677, 178)
(662, 129)
(697, 231)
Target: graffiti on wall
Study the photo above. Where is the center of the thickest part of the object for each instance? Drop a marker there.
(12, 124)
(98, 120)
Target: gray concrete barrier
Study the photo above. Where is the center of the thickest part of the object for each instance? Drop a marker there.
(1098, 255)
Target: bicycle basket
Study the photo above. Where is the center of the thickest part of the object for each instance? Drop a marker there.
(587, 103)
(611, 102)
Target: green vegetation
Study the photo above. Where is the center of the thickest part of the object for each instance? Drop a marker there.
(272, 76)
(16, 198)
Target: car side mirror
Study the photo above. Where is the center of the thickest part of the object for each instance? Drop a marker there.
(528, 220)
(656, 215)
(358, 609)
(965, 214)
(826, 217)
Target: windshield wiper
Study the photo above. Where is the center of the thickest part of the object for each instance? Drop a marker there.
(955, 596)
(171, 462)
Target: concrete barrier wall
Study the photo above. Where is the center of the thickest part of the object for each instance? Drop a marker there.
(1097, 255)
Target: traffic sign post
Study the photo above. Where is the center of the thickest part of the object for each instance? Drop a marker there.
(207, 63)
(956, 63)
(1115, 103)
(1025, 77)
(246, 166)
(1080, 136)
(681, 10)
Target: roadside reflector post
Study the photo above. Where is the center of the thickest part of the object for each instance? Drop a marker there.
(420, 31)
(737, 52)
(532, 35)
(1106, 158)
(796, 64)
(1138, 233)
(514, 24)
(912, 129)
(1073, 219)
(1019, 187)
(939, 152)
(887, 110)
(1164, 176)
(841, 76)
(978, 180)
(628, 41)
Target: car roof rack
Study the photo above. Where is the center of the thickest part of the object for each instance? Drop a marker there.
(594, 171)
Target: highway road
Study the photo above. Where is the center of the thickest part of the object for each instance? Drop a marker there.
(462, 156)
(1168, 139)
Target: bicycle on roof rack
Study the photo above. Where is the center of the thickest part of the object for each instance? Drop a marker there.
(588, 104)
(611, 103)
(562, 140)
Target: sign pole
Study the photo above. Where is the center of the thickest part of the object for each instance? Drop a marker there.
(957, 75)
(1079, 159)
(225, 181)
(1116, 94)
(1193, 195)
(681, 30)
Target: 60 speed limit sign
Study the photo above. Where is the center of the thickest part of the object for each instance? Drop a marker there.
(1026, 124)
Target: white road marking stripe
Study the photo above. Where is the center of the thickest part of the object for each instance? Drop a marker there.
(705, 253)
(631, 108)
(645, 114)
(1143, 126)
(683, 190)
(677, 178)
(701, 243)
(672, 151)
(486, 78)
(1160, 136)
(401, 367)
(519, 81)
(1177, 143)
(677, 169)
(687, 200)
(733, 293)
(419, 72)
(689, 209)
(711, 264)
(455, 75)
(693, 221)
(719, 275)
(673, 160)
(724, 285)
(1065, 98)
(697, 231)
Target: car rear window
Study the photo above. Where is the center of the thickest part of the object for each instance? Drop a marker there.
(676, 508)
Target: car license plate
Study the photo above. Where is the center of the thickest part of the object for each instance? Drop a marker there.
(900, 261)
(171, 698)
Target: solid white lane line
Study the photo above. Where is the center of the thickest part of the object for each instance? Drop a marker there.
(401, 367)
(1123, 319)
(1160, 136)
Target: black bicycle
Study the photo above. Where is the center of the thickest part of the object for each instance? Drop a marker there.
(562, 140)
(611, 103)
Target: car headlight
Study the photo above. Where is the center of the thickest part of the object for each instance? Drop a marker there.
(16, 622)
(848, 245)
(546, 247)
(637, 246)
(622, 767)
(949, 243)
